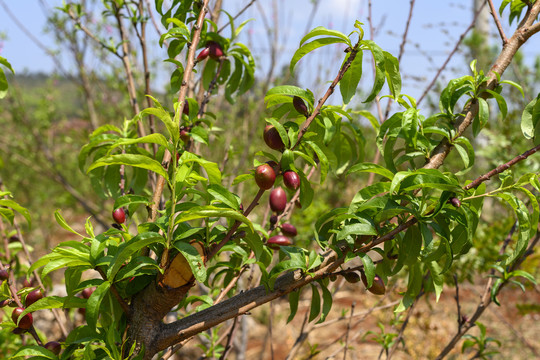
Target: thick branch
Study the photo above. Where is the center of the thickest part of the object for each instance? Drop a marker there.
(504, 59)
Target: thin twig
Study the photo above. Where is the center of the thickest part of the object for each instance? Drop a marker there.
(499, 169)
(485, 300)
(237, 15)
(346, 347)
(497, 21)
(459, 318)
(456, 47)
(399, 338)
(377, 156)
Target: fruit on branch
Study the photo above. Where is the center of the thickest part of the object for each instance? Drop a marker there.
(455, 202)
(273, 219)
(352, 277)
(265, 176)
(203, 54)
(4, 275)
(184, 135)
(278, 240)
(25, 322)
(54, 347)
(291, 180)
(278, 200)
(29, 283)
(289, 230)
(87, 292)
(33, 296)
(185, 110)
(377, 287)
(215, 50)
(119, 215)
(300, 106)
(272, 138)
(5, 302)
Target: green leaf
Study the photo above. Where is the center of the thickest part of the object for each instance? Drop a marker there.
(127, 249)
(307, 48)
(466, 151)
(320, 31)
(482, 118)
(356, 229)
(281, 131)
(529, 119)
(200, 212)
(501, 102)
(349, 83)
(194, 260)
(306, 191)
(323, 160)
(34, 350)
(62, 222)
(149, 139)
(327, 303)
(127, 200)
(94, 303)
(15, 206)
(380, 69)
(241, 178)
(165, 117)
(220, 193)
(211, 168)
(139, 161)
(514, 84)
(315, 308)
(369, 268)
(289, 90)
(294, 296)
(393, 78)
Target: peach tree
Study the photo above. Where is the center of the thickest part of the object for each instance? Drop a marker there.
(178, 223)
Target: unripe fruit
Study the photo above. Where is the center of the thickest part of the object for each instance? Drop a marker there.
(265, 176)
(203, 54)
(278, 200)
(300, 105)
(87, 292)
(377, 287)
(272, 138)
(278, 240)
(455, 202)
(26, 320)
(184, 135)
(54, 347)
(351, 277)
(33, 296)
(289, 230)
(185, 110)
(4, 275)
(119, 216)
(215, 50)
(28, 283)
(291, 180)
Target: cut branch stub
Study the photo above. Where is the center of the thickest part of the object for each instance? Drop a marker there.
(178, 272)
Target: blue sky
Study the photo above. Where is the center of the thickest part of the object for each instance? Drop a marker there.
(435, 28)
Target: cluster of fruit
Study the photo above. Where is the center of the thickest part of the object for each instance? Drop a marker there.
(265, 177)
(26, 322)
